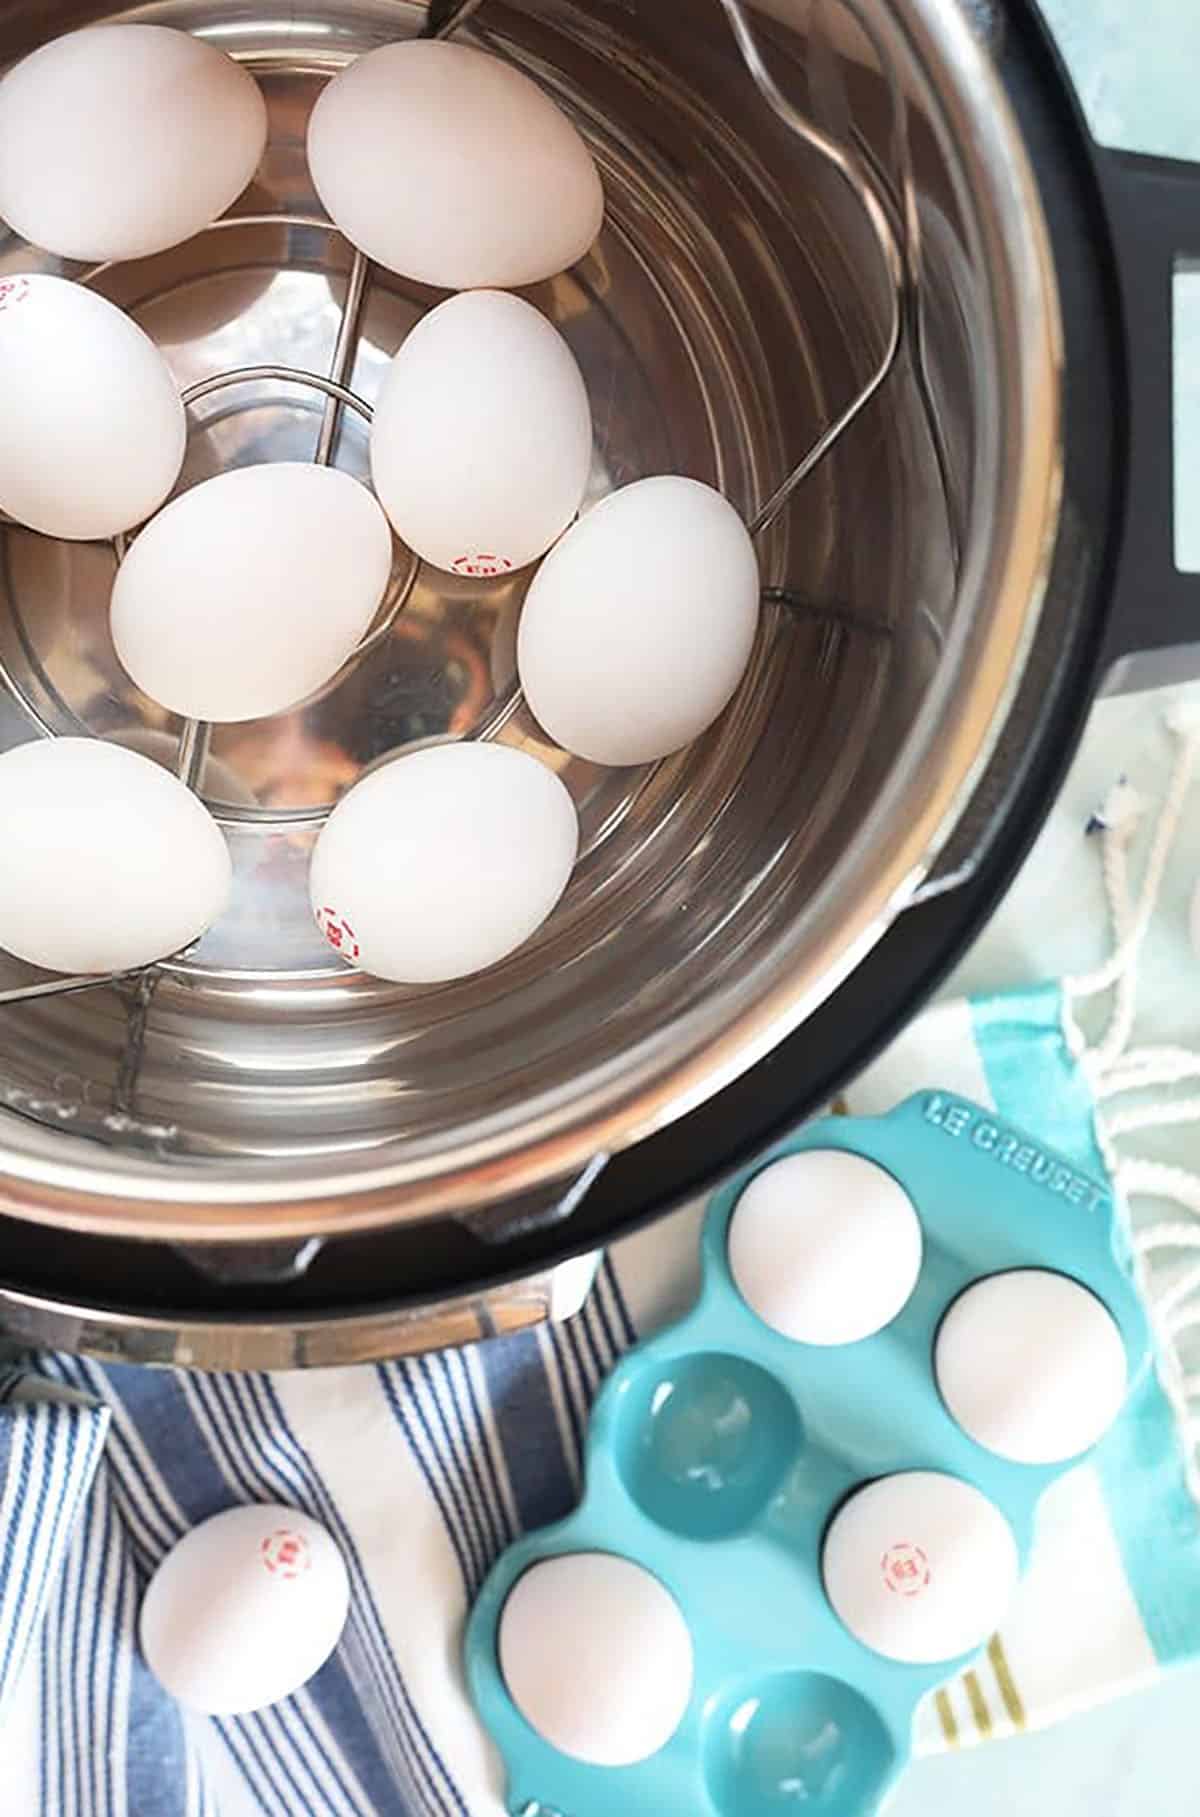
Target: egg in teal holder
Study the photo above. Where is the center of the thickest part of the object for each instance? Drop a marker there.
(720, 1452)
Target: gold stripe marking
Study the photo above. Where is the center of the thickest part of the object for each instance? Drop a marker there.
(978, 1703)
(945, 1714)
(1009, 1693)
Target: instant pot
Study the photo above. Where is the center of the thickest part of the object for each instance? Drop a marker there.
(863, 270)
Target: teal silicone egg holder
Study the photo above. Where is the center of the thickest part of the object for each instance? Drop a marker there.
(719, 1450)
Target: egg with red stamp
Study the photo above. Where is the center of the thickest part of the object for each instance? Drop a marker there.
(481, 564)
(443, 862)
(13, 291)
(482, 439)
(920, 1566)
(92, 433)
(118, 141)
(338, 933)
(244, 1609)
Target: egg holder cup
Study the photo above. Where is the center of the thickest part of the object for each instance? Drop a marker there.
(728, 1501)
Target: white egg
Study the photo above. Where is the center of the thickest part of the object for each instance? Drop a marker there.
(449, 166)
(639, 624)
(597, 1656)
(920, 1567)
(443, 861)
(244, 1609)
(251, 590)
(1032, 1366)
(108, 861)
(482, 437)
(825, 1247)
(92, 433)
(120, 140)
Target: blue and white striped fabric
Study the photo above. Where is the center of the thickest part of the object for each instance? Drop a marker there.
(422, 1471)
(49, 1452)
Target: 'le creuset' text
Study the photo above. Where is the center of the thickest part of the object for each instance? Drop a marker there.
(1009, 1149)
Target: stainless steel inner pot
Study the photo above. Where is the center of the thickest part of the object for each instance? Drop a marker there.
(736, 303)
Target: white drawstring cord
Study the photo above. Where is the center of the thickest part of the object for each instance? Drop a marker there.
(1146, 1067)
(1112, 1068)
(1138, 1177)
(1119, 820)
(1131, 932)
(1174, 1300)
(1153, 1116)
(1164, 1236)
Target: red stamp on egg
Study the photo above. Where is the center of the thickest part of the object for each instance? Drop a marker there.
(906, 1569)
(338, 933)
(286, 1554)
(481, 566)
(12, 292)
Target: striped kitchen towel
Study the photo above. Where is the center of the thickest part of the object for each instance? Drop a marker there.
(49, 1452)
